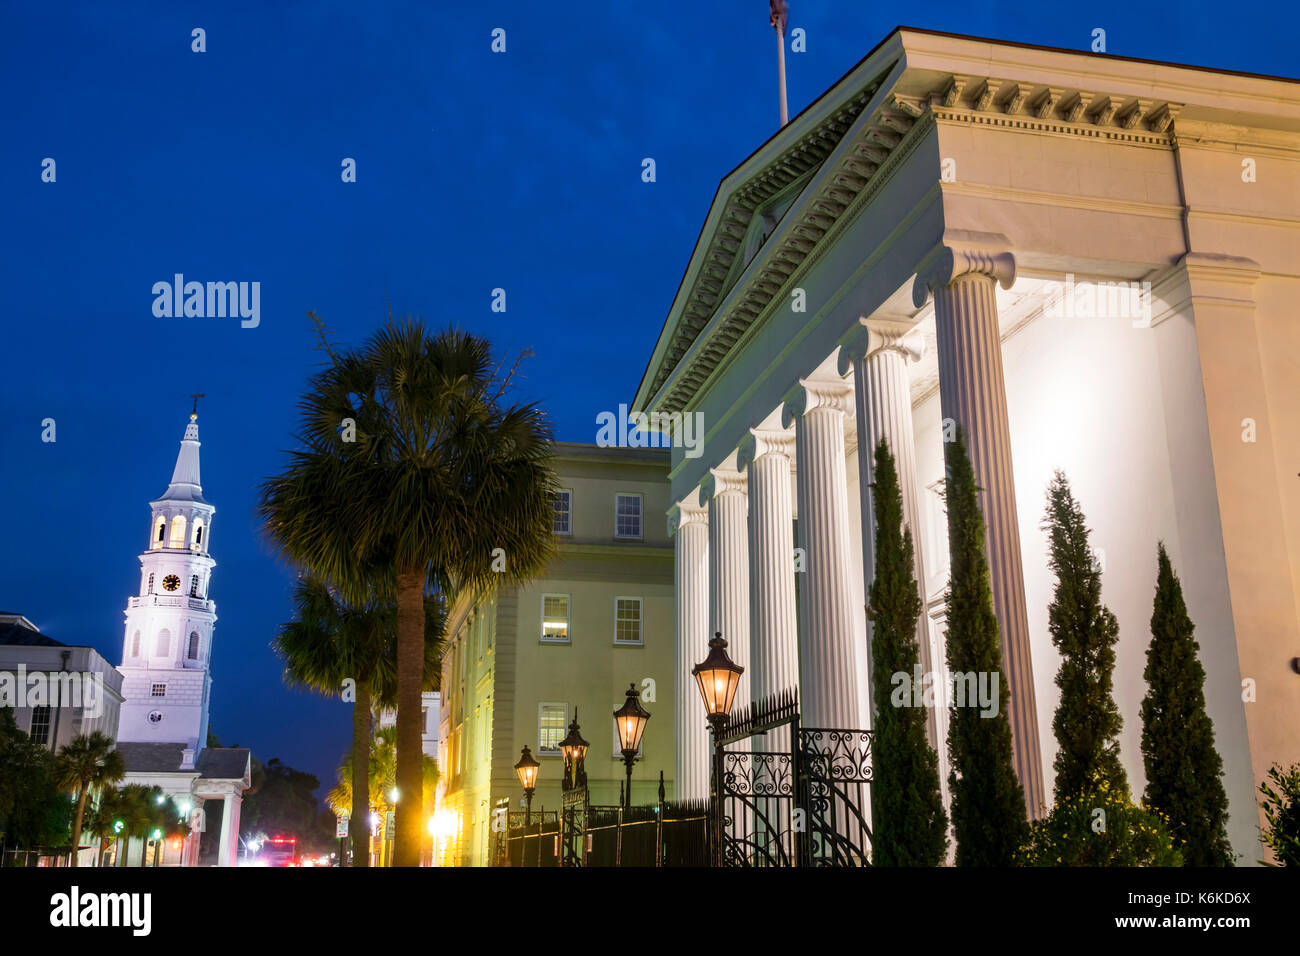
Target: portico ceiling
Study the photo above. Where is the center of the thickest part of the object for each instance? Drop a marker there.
(839, 151)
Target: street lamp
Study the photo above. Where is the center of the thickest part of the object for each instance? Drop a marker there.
(630, 721)
(718, 677)
(574, 749)
(527, 769)
(390, 827)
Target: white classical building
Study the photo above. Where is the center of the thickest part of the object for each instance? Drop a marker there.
(166, 651)
(950, 233)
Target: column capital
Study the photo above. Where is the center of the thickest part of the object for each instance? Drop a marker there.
(722, 481)
(763, 441)
(962, 252)
(868, 336)
(688, 511)
(811, 393)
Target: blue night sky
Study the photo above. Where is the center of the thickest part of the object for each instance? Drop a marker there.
(474, 171)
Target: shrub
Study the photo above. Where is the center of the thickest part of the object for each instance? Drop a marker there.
(1282, 813)
(1074, 833)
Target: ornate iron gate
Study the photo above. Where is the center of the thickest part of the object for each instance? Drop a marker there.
(573, 847)
(835, 790)
(803, 799)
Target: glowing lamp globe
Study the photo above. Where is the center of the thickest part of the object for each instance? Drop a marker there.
(718, 677)
(630, 721)
(527, 769)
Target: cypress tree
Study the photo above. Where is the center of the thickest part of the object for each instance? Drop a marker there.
(1183, 768)
(988, 803)
(1087, 722)
(911, 828)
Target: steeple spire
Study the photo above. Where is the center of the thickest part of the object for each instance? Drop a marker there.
(185, 485)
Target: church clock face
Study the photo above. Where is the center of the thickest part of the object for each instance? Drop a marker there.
(155, 716)
(171, 582)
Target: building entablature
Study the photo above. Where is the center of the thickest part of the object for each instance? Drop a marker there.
(801, 189)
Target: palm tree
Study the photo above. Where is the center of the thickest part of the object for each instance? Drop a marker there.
(136, 807)
(87, 763)
(412, 462)
(330, 642)
(382, 778)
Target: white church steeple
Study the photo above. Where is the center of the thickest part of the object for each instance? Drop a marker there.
(169, 623)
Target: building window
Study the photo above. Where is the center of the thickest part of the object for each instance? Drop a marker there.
(552, 722)
(40, 731)
(178, 532)
(194, 586)
(627, 620)
(627, 516)
(563, 504)
(161, 532)
(198, 532)
(158, 690)
(163, 646)
(555, 618)
(150, 589)
(194, 646)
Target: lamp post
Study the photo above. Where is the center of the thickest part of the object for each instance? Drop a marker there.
(630, 721)
(718, 677)
(574, 749)
(527, 769)
(390, 827)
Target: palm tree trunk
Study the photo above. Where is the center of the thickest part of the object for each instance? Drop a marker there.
(360, 822)
(76, 824)
(410, 680)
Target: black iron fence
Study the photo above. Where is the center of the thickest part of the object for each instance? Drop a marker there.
(786, 796)
(528, 840)
(660, 835)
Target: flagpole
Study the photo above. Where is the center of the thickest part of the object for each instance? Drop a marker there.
(778, 18)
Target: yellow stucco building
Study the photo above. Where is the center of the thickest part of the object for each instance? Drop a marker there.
(524, 659)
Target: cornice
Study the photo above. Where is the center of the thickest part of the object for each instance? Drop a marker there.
(1013, 102)
(916, 80)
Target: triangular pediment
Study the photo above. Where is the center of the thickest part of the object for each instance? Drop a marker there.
(760, 199)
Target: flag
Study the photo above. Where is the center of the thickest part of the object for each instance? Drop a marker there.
(779, 10)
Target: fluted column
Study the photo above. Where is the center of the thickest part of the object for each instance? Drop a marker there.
(963, 276)
(688, 524)
(765, 457)
(228, 852)
(828, 652)
(878, 354)
(725, 493)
